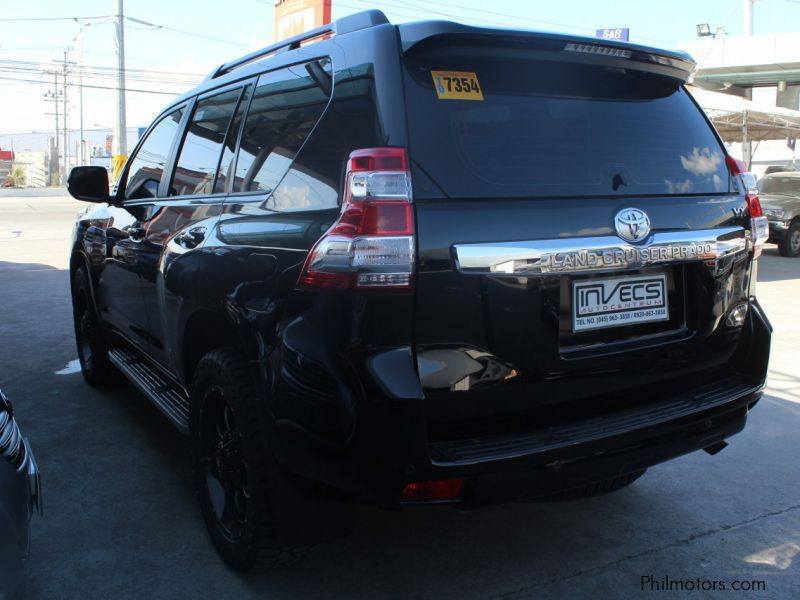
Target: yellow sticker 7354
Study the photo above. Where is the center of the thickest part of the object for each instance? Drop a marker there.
(456, 85)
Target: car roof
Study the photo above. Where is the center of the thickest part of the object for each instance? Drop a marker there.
(411, 34)
(776, 174)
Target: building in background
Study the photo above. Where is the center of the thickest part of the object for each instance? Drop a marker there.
(293, 17)
(760, 75)
(35, 167)
(30, 147)
(6, 163)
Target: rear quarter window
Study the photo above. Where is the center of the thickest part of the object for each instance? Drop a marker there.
(286, 106)
(548, 128)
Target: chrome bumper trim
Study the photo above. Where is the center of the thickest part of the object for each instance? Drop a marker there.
(715, 247)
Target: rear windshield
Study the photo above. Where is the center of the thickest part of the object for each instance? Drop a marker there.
(547, 128)
(785, 186)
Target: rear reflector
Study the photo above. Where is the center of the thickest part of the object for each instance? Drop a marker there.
(371, 244)
(441, 490)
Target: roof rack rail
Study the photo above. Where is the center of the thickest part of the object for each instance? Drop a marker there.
(354, 22)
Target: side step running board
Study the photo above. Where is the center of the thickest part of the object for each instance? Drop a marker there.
(173, 403)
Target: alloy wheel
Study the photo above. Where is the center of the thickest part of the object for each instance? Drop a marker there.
(223, 463)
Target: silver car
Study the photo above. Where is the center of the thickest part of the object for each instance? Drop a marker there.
(20, 495)
(780, 199)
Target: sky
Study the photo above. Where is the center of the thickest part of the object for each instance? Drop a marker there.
(169, 61)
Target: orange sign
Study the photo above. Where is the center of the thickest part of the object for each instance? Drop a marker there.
(293, 17)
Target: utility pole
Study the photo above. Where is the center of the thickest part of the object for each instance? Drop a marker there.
(748, 17)
(81, 154)
(79, 52)
(54, 97)
(66, 128)
(121, 128)
(747, 145)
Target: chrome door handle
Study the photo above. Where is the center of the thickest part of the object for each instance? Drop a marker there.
(192, 237)
(136, 233)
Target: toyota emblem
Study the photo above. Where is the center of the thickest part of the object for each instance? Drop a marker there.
(632, 224)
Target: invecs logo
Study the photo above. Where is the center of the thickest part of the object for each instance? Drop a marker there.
(599, 298)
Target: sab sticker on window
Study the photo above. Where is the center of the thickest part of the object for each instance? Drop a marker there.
(457, 85)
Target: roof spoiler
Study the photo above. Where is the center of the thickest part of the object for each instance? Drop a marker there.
(354, 22)
(673, 63)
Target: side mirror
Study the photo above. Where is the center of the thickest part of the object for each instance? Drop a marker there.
(89, 184)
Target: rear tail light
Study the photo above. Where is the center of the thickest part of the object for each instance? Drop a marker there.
(371, 244)
(441, 490)
(759, 226)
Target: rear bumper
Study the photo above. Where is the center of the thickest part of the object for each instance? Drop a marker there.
(390, 447)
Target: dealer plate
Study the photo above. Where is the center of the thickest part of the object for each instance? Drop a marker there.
(601, 303)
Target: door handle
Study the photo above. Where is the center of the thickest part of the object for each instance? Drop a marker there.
(136, 233)
(192, 237)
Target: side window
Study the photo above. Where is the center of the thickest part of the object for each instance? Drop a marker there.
(147, 165)
(229, 151)
(200, 153)
(286, 105)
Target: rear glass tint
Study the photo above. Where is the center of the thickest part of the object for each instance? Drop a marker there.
(548, 128)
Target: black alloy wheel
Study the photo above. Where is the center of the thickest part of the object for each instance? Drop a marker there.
(231, 465)
(96, 367)
(220, 456)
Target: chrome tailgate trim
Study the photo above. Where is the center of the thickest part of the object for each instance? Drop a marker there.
(714, 247)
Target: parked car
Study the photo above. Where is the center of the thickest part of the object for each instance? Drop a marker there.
(425, 263)
(20, 495)
(776, 169)
(780, 200)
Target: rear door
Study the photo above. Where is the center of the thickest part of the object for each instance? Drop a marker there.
(568, 206)
(178, 222)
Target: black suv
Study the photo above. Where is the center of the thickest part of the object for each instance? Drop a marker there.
(425, 263)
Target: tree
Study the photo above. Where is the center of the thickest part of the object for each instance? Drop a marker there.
(16, 177)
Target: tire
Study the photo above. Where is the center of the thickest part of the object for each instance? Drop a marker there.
(598, 488)
(790, 244)
(231, 464)
(96, 367)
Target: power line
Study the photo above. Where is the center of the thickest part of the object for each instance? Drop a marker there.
(97, 87)
(406, 5)
(76, 19)
(103, 72)
(30, 63)
(157, 27)
(717, 37)
(394, 11)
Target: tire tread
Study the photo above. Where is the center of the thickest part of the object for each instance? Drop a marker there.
(228, 365)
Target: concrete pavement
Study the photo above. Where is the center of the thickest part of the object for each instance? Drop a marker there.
(121, 520)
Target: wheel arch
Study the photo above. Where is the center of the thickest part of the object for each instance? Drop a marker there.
(205, 330)
(78, 260)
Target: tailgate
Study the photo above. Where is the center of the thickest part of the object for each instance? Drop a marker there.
(544, 188)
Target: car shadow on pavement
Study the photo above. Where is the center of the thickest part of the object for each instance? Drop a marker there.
(686, 519)
(774, 267)
(121, 519)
